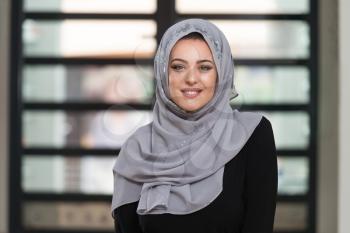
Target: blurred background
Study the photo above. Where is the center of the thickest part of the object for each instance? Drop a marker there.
(76, 79)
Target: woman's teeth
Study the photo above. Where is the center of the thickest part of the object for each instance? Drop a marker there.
(191, 94)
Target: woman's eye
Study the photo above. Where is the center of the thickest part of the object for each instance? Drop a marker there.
(177, 67)
(205, 68)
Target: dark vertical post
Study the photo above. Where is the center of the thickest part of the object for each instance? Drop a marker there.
(165, 16)
(15, 111)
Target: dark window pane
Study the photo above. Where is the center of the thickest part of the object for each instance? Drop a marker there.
(290, 217)
(67, 215)
(247, 6)
(117, 84)
(90, 38)
(91, 6)
(108, 128)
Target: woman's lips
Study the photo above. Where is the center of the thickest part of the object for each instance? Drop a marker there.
(191, 93)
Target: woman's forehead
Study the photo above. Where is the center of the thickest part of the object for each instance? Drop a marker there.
(191, 49)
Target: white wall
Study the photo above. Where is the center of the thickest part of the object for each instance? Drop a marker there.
(334, 126)
(4, 27)
(344, 117)
(327, 160)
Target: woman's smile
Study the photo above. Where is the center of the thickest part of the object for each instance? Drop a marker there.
(191, 92)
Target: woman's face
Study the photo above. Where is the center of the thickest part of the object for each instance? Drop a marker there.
(192, 74)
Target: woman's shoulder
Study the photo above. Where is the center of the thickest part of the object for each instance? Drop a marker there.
(264, 125)
(263, 132)
(255, 122)
(262, 140)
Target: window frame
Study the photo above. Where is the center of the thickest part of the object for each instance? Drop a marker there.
(164, 16)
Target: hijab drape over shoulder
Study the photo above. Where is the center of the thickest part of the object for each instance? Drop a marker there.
(176, 163)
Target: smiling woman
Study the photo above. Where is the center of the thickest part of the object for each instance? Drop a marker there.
(192, 73)
(199, 166)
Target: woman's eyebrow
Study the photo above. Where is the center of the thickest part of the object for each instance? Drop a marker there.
(184, 61)
(179, 59)
(205, 60)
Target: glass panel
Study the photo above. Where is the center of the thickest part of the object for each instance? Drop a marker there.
(247, 6)
(117, 84)
(90, 38)
(61, 174)
(290, 216)
(108, 128)
(92, 6)
(67, 215)
(293, 175)
(266, 38)
(265, 85)
(58, 174)
(291, 129)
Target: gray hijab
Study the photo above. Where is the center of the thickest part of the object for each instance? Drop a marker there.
(175, 164)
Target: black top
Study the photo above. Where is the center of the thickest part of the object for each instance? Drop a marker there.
(246, 204)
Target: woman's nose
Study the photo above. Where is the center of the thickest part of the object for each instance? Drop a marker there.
(191, 77)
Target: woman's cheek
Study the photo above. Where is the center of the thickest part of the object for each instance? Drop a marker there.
(209, 79)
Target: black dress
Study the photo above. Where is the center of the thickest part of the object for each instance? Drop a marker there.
(246, 204)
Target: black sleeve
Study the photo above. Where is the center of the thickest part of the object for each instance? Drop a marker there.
(261, 181)
(126, 219)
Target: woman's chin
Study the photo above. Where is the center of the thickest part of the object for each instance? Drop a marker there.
(191, 108)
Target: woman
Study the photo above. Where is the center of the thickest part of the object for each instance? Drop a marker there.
(200, 166)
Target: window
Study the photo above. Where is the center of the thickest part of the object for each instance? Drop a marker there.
(68, 89)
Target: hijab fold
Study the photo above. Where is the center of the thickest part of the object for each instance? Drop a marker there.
(175, 164)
